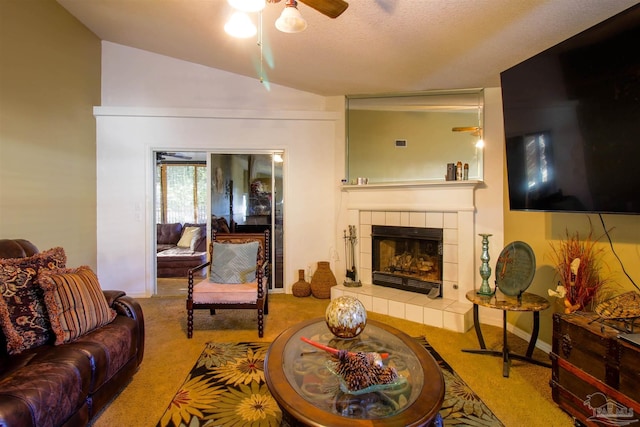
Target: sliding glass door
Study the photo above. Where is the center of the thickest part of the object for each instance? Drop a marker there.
(242, 190)
(247, 196)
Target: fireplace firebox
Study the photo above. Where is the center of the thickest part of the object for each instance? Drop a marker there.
(407, 258)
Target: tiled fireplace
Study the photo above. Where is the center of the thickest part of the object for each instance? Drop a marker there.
(441, 205)
(407, 258)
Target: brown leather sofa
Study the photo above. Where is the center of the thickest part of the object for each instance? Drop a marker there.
(68, 384)
(173, 260)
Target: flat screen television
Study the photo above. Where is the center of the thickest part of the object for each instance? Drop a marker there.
(572, 122)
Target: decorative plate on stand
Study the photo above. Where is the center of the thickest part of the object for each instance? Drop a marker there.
(515, 268)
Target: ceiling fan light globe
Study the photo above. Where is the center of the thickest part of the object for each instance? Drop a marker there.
(240, 26)
(248, 6)
(291, 21)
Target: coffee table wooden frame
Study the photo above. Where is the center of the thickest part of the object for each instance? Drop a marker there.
(298, 411)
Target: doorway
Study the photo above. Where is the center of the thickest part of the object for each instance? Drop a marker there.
(198, 189)
(181, 206)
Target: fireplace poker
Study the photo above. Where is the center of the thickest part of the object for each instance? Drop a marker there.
(349, 250)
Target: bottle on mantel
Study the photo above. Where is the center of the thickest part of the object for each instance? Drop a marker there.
(459, 171)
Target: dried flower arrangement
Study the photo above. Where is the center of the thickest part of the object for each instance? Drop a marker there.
(578, 262)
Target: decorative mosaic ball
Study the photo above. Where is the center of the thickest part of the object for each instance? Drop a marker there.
(346, 317)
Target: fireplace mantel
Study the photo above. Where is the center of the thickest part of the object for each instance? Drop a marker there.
(413, 184)
(449, 205)
(441, 196)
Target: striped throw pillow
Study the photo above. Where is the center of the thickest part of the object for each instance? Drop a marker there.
(75, 302)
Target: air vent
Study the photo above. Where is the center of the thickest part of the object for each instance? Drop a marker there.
(402, 143)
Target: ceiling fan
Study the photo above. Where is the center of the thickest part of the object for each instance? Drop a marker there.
(473, 130)
(162, 155)
(330, 8)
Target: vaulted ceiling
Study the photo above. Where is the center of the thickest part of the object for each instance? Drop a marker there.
(375, 46)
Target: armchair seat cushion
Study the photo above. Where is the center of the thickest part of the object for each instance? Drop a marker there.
(207, 292)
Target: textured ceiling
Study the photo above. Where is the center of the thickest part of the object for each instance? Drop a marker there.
(375, 46)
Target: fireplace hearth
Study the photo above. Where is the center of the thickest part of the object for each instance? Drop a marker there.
(408, 258)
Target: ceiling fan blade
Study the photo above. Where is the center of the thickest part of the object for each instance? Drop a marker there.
(473, 130)
(330, 8)
(162, 155)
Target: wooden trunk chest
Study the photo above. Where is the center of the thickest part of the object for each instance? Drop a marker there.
(595, 374)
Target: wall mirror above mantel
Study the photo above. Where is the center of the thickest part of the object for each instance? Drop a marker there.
(396, 138)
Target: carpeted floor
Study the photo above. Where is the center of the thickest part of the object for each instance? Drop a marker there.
(172, 286)
(226, 387)
(522, 399)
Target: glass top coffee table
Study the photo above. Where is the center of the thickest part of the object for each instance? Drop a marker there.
(301, 381)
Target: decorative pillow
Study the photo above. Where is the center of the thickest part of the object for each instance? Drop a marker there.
(190, 236)
(234, 262)
(23, 314)
(75, 302)
(199, 244)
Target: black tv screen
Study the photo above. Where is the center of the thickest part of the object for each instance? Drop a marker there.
(572, 122)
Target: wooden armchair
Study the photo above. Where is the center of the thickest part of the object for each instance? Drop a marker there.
(233, 281)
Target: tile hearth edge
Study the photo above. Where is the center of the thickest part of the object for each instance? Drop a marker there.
(440, 312)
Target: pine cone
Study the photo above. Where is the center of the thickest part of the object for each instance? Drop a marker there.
(362, 370)
(388, 376)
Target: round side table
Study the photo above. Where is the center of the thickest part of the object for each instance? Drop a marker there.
(524, 302)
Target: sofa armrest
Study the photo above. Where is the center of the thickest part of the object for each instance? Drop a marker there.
(124, 305)
(111, 296)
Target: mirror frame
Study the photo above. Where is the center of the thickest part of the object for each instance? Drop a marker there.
(443, 102)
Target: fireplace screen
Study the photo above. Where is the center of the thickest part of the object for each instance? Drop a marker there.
(408, 258)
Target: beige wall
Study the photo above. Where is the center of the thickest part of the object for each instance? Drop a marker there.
(540, 230)
(430, 144)
(49, 83)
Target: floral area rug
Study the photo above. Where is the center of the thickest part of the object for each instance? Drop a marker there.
(226, 387)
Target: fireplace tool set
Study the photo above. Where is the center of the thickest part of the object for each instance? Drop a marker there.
(350, 257)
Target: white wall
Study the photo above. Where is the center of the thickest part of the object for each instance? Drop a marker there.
(154, 102)
(137, 78)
